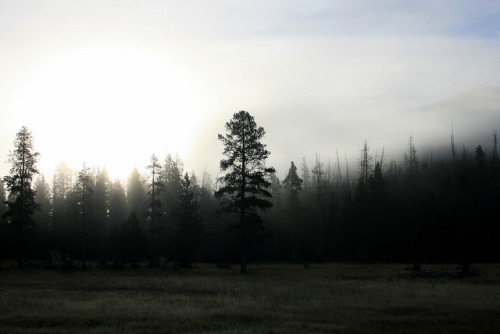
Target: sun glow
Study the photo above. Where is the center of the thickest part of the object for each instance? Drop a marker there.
(110, 107)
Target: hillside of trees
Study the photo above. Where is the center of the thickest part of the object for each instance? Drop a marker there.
(420, 211)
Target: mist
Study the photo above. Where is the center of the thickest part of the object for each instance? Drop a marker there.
(320, 78)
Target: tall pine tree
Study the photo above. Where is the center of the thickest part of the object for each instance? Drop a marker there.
(293, 186)
(244, 188)
(154, 206)
(21, 201)
(83, 196)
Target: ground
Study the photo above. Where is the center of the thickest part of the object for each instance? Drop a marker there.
(277, 298)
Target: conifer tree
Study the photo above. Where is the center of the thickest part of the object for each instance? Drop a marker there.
(378, 197)
(21, 201)
(292, 181)
(117, 205)
(5, 232)
(42, 198)
(171, 175)
(480, 157)
(3, 206)
(100, 202)
(42, 217)
(171, 178)
(293, 187)
(132, 242)
(188, 227)
(154, 205)
(61, 203)
(319, 185)
(411, 159)
(244, 188)
(117, 215)
(83, 195)
(364, 164)
(306, 176)
(136, 195)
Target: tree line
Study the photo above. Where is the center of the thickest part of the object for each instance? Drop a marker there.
(419, 211)
(422, 211)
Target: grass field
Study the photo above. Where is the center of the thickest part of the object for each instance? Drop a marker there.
(326, 298)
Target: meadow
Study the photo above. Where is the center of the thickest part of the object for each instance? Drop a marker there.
(272, 298)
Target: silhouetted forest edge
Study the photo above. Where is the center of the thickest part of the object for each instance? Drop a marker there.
(437, 210)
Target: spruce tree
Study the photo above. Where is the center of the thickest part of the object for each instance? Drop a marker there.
(244, 189)
(21, 203)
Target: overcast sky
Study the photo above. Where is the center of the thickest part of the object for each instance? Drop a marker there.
(111, 82)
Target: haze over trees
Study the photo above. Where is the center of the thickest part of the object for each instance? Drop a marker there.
(440, 209)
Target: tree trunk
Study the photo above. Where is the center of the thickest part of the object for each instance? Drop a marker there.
(243, 267)
(83, 249)
(243, 264)
(21, 246)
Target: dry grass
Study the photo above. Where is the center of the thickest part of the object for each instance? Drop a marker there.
(326, 298)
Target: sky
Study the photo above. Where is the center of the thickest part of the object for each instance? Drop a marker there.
(109, 83)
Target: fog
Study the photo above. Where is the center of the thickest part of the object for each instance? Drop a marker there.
(320, 77)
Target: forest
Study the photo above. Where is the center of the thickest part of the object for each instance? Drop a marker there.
(422, 211)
